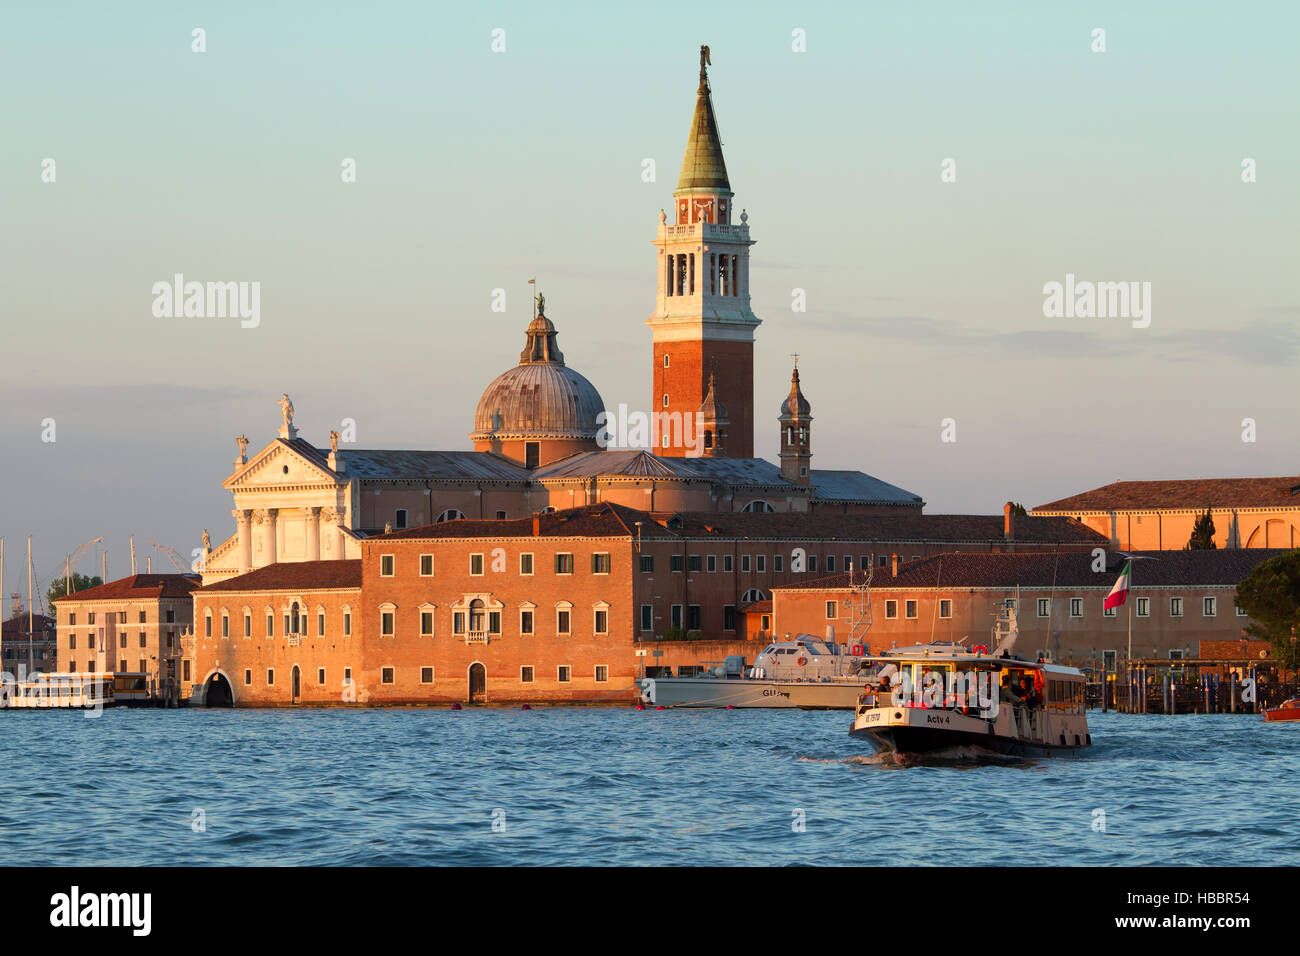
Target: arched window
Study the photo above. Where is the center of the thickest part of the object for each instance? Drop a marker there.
(752, 595)
(451, 514)
(758, 506)
(294, 621)
(476, 622)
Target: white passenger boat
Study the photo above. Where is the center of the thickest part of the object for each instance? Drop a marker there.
(944, 697)
(806, 673)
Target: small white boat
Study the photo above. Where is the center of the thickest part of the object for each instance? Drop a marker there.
(806, 673)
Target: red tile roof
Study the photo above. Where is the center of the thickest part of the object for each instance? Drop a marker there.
(137, 587)
(613, 520)
(1062, 569)
(1195, 493)
(295, 576)
(18, 625)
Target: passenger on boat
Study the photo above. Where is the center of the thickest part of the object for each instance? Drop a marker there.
(1011, 692)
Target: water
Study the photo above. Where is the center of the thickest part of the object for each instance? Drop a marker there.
(619, 786)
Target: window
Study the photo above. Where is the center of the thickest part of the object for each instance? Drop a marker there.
(752, 595)
(1076, 607)
(532, 454)
(91, 618)
(248, 677)
(728, 563)
(72, 666)
(1175, 607)
(891, 609)
(562, 673)
(143, 641)
(207, 625)
(451, 514)
(386, 675)
(945, 608)
(728, 617)
(122, 639)
(494, 622)
(1144, 607)
(910, 609)
(830, 610)
(476, 564)
(426, 624)
(758, 506)
(692, 617)
(426, 565)
(602, 621)
(562, 622)
(320, 623)
(760, 563)
(142, 617)
(744, 564)
(501, 516)
(1108, 612)
(171, 617)
(647, 617)
(121, 665)
(1109, 660)
(1210, 607)
(72, 617)
(564, 564)
(121, 619)
(665, 401)
(458, 622)
(426, 675)
(386, 623)
(778, 563)
(884, 560)
(711, 563)
(72, 643)
(830, 564)
(676, 562)
(525, 622)
(665, 361)
(270, 624)
(694, 562)
(647, 564)
(248, 624)
(399, 518)
(347, 675)
(1240, 612)
(270, 677)
(385, 565)
(1044, 607)
(602, 673)
(526, 674)
(675, 616)
(600, 564)
(812, 563)
(347, 623)
(526, 563)
(320, 676)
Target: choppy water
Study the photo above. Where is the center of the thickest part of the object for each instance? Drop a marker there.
(616, 786)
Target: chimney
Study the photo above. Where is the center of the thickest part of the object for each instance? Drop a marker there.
(893, 565)
(1008, 521)
(537, 525)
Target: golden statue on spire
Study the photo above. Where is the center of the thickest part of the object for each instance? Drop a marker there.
(704, 61)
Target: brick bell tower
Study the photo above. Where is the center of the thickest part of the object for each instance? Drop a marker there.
(703, 325)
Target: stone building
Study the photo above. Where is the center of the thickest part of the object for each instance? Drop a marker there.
(1160, 515)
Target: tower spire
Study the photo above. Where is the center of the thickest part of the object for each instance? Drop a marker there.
(703, 166)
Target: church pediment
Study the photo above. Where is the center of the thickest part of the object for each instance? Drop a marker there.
(282, 463)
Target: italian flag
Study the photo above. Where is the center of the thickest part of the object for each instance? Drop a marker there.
(1120, 591)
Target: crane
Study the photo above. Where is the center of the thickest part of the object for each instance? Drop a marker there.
(173, 556)
(69, 565)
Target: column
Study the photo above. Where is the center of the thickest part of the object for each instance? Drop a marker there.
(313, 533)
(243, 529)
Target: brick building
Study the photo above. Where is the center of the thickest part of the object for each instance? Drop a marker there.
(131, 624)
(28, 644)
(1160, 515)
(552, 607)
(1180, 602)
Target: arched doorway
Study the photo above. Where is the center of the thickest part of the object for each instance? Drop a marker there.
(217, 692)
(295, 685)
(477, 683)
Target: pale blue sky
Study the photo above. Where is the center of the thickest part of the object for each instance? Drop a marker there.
(479, 170)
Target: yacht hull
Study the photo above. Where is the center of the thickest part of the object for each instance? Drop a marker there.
(750, 693)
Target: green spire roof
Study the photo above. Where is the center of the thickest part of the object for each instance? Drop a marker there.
(703, 166)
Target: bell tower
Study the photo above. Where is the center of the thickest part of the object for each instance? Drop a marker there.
(796, 433)
(703, 325)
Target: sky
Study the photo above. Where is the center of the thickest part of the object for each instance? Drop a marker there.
(477, 170)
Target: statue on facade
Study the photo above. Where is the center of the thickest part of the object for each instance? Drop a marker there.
(334, 442)
(286, 410)
(541, 304)
(207, 540)
(242, 443)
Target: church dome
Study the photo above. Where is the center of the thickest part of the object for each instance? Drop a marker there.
(540, 397)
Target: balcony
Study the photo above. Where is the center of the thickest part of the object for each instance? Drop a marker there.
(706, 231)
(477, 637)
